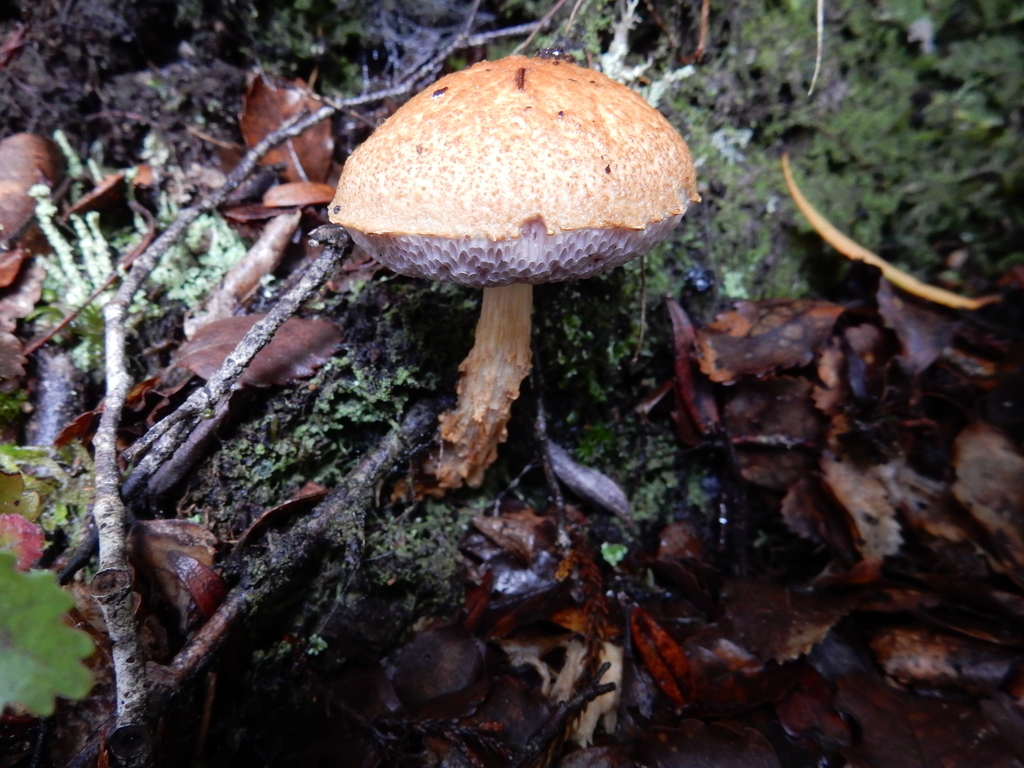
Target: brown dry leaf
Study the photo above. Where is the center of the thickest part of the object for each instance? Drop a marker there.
(923, 333)
(990, 485)
(522, 532)
(898, 729)
(178, 555)
(10, 264)
(920, 656)
(25, 160)
(774, 468)
(298, 193)
(780, 624)
(440, 673)
(109, 191)
(863, 491)
(809, 514)
(760, 337)
(590, 484)
(244, 277)
(298, 348)
(269, 102)
(696, 745)
(775, 412)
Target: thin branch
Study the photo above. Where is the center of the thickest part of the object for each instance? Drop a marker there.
(336, 522)
(174, 429)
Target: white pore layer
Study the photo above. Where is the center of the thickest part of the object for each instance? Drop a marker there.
(533, 257)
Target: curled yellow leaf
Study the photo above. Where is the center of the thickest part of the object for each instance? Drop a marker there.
(852, 250)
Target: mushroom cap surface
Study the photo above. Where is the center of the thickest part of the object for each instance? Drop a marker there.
(526, 156)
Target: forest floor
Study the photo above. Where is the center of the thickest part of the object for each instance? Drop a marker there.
(758, 506)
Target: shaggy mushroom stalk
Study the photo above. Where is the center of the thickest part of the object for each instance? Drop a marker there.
(489, 380)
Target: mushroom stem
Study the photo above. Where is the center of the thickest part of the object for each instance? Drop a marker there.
(488, 385)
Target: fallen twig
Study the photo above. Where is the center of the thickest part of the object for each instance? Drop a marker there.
(168, 434)
(336, 522)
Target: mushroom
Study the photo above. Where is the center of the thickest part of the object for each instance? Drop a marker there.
(500, 176)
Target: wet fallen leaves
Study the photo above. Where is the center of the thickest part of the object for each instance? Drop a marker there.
(900, 647)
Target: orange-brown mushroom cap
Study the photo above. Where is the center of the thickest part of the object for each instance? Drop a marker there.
(518, 170)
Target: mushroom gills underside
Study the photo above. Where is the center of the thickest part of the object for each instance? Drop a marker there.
(533, 257)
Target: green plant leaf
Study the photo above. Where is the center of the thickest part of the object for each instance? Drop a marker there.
(40, 656)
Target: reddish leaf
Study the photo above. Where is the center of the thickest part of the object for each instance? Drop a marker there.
(298, 193)
(693, 391)
(205, 586)
(760, 337)
(664, 659)
(23, 538)
(268, 103)
(10, 265)
(298, 348)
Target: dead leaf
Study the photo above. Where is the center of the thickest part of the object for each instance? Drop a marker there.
(775, 412)
(662, 656)
(298, 193)
(863, 491)
(25, 160)
(760, 337)
(920, 656)
(269, 102)
(298, 348)
(852, 250)
(109, 191)
(10, 265)
(17, 301)
(809, 709)
(990, 486)
(865, 360)
(244, 277)
(590, 484)
(160, 546)
(923, 333)
(440, 672)
(780, 624)
(698, 403)
(12, 44)
(774, 468)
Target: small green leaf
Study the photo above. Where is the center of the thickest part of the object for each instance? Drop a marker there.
(613, 554)
(40, 656)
